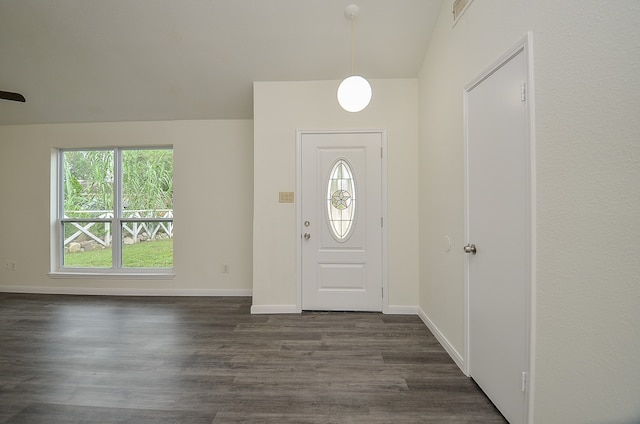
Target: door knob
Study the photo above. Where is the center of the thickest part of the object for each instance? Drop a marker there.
(307, 236)
(470, 248)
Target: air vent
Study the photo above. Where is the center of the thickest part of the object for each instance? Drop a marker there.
(459, 6)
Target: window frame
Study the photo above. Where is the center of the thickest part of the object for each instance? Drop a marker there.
(116, 221)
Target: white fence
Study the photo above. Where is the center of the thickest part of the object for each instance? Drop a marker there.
(134, 229)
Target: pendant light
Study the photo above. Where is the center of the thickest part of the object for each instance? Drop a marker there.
(354, 92)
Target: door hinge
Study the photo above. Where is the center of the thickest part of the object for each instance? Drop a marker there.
(523, 91)
(382, 222)
(383, 292)
(524, 381)
(381, 152)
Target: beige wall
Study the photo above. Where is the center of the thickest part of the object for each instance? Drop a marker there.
(280, 108)
(587, 291)
(213, 203)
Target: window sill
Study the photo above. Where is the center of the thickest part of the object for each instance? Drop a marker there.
(113, 275)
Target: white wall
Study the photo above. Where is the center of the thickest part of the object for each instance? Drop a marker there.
(213, 183)
(455, 57)
(282, 107)
(587, 293)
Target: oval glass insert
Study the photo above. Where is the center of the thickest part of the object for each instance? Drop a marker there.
(341, 200)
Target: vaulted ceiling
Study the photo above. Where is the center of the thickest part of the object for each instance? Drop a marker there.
(136, 60)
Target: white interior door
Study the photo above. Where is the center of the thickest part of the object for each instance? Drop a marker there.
(499, 206)
(341, 220)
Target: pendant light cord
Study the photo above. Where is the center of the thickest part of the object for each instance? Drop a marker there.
(352, 46)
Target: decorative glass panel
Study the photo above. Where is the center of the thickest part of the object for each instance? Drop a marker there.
(341, 200)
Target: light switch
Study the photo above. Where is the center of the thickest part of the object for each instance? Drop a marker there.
(286, 197)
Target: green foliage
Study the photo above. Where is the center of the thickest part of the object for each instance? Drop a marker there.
(147, 180)
(88, 181)
(150, 254)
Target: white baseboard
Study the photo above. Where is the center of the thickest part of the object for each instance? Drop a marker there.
(292, 309)
(401, 310)
(274, 309)
(124, 291)
(455, 355)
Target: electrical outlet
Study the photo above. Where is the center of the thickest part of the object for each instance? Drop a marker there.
(225, 269)
(10, 265)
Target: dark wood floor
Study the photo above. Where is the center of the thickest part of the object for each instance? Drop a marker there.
(75, 359)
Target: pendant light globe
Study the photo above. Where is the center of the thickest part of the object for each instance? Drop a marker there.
(354, 93)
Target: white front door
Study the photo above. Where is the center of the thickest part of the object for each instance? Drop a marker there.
(499, 227)
(341, 221)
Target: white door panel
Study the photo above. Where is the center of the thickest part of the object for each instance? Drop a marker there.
(499, 227)
(341, 232)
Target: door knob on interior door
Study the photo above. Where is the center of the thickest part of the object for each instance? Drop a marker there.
(307, 236)
(470, 248)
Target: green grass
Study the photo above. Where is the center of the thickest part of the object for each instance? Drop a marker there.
(149, 254)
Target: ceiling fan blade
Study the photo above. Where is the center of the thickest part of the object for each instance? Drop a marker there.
(16, 97)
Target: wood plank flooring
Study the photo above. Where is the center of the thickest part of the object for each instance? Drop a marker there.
(205, 360)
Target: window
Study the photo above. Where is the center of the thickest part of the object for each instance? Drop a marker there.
(115, 211)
